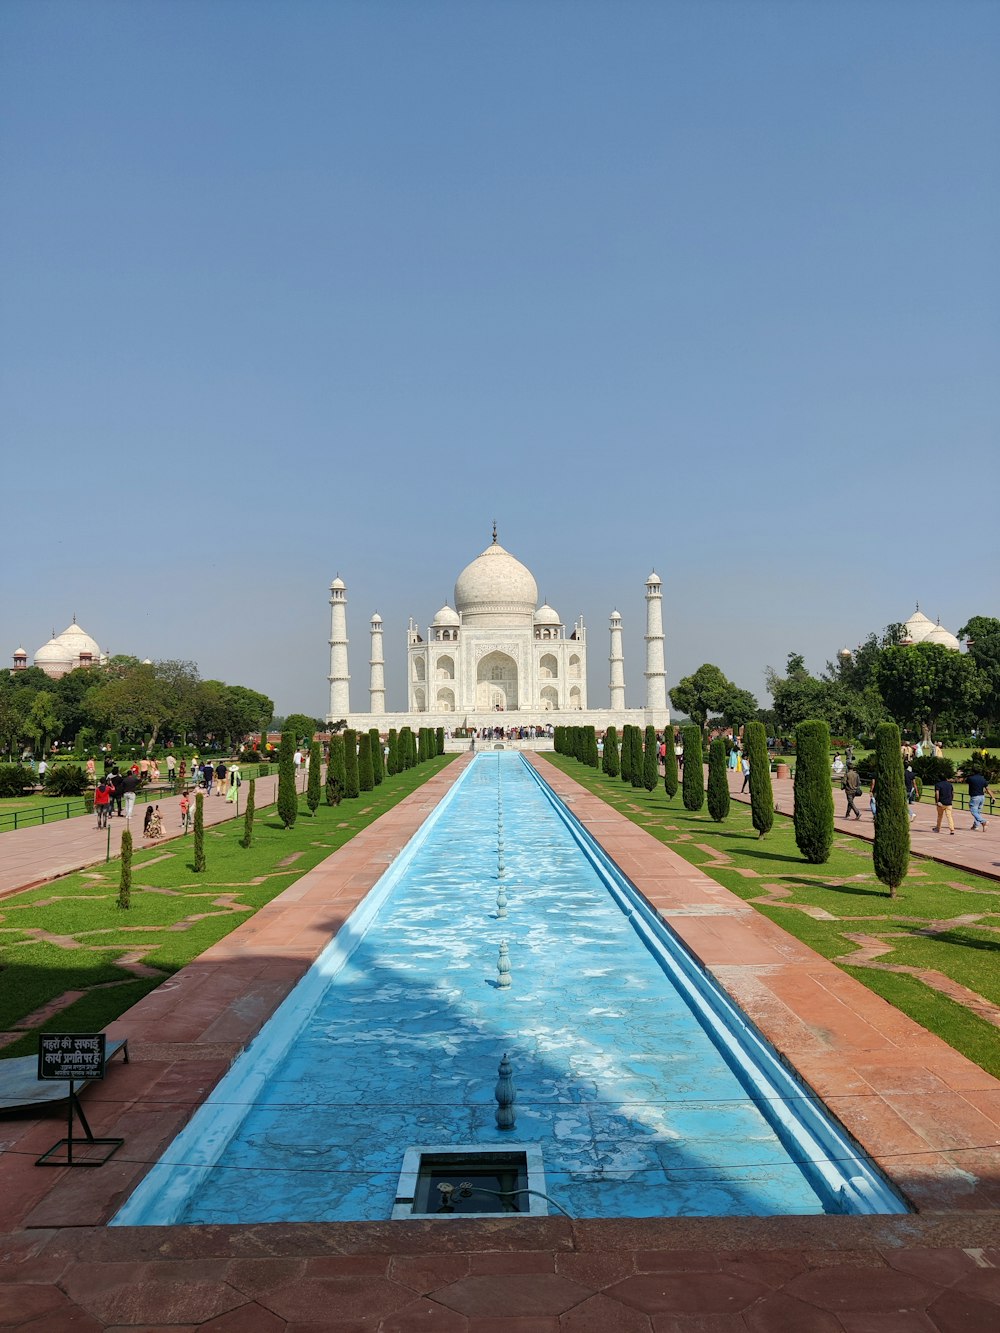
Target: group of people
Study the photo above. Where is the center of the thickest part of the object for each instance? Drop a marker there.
(944, 797)
(115, 794)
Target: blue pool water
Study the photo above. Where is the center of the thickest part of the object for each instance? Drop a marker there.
(645, 1097)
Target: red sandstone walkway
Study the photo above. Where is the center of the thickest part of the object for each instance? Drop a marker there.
(930, 1117)
(979, 852)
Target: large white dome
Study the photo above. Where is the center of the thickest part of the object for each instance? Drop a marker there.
(76, 641)
(496, 589)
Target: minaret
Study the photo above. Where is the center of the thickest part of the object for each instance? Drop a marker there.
(617, 664)
(340, 689)
(656, 674)
(376, 684)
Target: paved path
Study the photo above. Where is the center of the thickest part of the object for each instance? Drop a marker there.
(30, 856)
(966, 850)
(930, 1116)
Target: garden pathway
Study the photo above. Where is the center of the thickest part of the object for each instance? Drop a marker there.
(35, 855)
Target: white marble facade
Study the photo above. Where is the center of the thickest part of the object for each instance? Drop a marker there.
(497, 657)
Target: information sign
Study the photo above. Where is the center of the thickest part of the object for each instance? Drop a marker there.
(76, 1056)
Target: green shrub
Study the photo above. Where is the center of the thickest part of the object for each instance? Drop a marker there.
(125, 878)
(761, 792)
(366, 776)
(718, 780)
(987, 764)
(199, 832)
(693, 783)
(351, 788)
(248, 814)
(439, 737)
(378, 766)
(927, 767)
(16, 780)
(312, 783)
(336, 777)
(88, 801)
(813, 815)
(650, 767)
(65, 780)
(610, 759)
(670, 779)
(891, 846)
(288, 797)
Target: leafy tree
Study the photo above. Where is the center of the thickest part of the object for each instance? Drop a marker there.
(706, 691)
(983, 635)
(378, 768)
(301, 726)
(248, 814)
(761, 792)
(813, 817)
(670, 779)
(336, 775)
(650, 767)
(693, 783)
(891, 847)
(739, 709)
(797, 695)
(125, 879)
(921, 682)
(199, 833)
(610, 761)
(43, 723)
(366, 777)
(288, 797)
(312, 785)
(133, 702)
(351, 786)
(718, 780)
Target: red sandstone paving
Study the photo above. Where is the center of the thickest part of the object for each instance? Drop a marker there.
(516, 1276)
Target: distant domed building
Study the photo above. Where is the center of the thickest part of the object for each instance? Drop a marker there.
(918, 629)
(64, 653)
(497, 657)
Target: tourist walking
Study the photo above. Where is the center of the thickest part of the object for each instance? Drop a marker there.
(171, 767)
(117, 790)
(746, 773)
(944, 798)
(911, 790)
(852, 788)
(130, 785)
(207, 776)
(220, 779)
(234, 785)
(90, 769)
(978, 792)
(185, 806)
(102, 802)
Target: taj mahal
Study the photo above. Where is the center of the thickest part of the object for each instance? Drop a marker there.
(498, 658)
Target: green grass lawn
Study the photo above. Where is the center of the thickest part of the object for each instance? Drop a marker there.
(162, 930)
(944, 920)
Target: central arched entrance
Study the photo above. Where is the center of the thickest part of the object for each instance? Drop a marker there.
(496, 683)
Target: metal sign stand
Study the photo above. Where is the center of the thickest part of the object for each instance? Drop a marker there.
(70, 1141)
(74, 1057)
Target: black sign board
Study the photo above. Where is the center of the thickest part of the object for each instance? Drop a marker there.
(72, 1055)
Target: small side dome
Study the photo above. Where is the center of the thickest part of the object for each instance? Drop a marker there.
(338, 584)
(944, 637)
(376, 619)
(448, 617)
(654, 580)
(547, 615)
(52, 652)
(20, 655)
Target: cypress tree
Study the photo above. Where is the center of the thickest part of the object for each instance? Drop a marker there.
(378, 768)
(392, 763)
(312, 784)
(439, 737)
(813, 817)
(638, 758)
(670, 779)
(891, 848)
(351, 787)
(693, 785)
(247, 838)
(199, 832)
(718, 781)
(761, 793)
(610, 763)
(405, 736)
(590, 745)
(125, 880)
(411, 748)
(625, 763)
(288, 797)
(650, 775)
(366, 777)
(421, 741)
(335, 774)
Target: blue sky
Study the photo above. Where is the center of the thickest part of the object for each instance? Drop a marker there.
(295, 289)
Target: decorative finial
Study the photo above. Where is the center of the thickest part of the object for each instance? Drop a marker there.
(494, 532)
(503, 966)
(506, 1095)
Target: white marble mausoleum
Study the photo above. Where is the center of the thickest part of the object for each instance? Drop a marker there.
(497, 658)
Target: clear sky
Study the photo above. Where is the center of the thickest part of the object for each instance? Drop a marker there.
(293, 289)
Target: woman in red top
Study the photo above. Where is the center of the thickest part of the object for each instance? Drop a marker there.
(102, 803)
